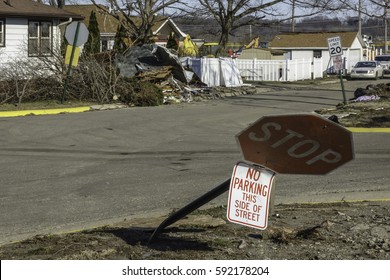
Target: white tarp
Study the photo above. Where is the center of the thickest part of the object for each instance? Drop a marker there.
(230, 73)
(216, 71)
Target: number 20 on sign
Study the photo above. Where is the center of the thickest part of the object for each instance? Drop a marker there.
(334, 45)
(249, 196)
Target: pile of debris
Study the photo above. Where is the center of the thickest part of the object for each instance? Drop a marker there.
(372, 93)
(156, 64)
(370, 107)
(162, 67)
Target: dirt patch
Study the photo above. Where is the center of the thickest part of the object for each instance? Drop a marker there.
(370, 107)
(309, 231)
(361, 114)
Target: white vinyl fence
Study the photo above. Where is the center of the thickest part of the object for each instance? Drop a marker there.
(231, 72)
(280, 70)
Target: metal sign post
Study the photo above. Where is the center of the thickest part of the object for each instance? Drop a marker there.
(290, 144)
(207, 197)
(342, 87)
(336, 52)
(76, 34)
(70, 63)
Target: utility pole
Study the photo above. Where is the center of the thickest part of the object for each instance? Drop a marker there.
(360, 17)
(385, 22)
(293, 17)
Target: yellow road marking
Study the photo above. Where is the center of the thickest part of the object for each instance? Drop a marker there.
(368, 129)
(43, 112)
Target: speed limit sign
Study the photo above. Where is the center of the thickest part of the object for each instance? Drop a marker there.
(334, 45)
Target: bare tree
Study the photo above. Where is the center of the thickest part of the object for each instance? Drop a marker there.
(138, 16)
(42, 78)
(233, 14)
(366, 6)
(16, 77)
(55, 3)
(21, 75)
(372, 9)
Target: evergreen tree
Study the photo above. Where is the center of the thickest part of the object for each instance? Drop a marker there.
(93, 44)
(120, 37)
(172, 43)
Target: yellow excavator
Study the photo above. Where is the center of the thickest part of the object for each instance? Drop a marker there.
(254, 44)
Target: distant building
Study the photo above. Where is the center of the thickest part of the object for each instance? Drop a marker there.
(108, 25)
(315, 45)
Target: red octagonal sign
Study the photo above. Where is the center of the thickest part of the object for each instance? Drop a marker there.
(296, 144)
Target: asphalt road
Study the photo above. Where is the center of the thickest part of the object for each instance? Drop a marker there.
(72, 171)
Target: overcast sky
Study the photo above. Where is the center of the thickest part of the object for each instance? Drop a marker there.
(286, 9)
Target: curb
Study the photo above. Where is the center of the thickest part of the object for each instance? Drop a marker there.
(7, 114)
(21, 113)
(370, 129)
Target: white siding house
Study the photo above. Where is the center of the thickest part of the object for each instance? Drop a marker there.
(315, 45)
(29, 30)
(17, 38)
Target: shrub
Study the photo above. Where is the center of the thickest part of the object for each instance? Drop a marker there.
(140, 93)
(95, 79)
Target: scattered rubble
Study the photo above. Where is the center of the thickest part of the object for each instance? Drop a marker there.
(179, 83)
(370, 107)
(353, 231)
(156, 64)
(377, 91)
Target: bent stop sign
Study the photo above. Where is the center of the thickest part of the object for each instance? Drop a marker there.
(296, 144)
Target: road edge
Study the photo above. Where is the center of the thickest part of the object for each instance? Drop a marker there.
(21, 113)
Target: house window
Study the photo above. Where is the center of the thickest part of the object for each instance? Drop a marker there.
(104, 45)
(2, 33)
(317, 53)
(39, 38)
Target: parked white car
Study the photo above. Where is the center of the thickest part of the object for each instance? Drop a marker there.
(384, 60)
(367, 70)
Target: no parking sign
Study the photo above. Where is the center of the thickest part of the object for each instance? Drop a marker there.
(289, 144)
(249, 196)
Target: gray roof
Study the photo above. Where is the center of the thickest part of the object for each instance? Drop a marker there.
(31, 9)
